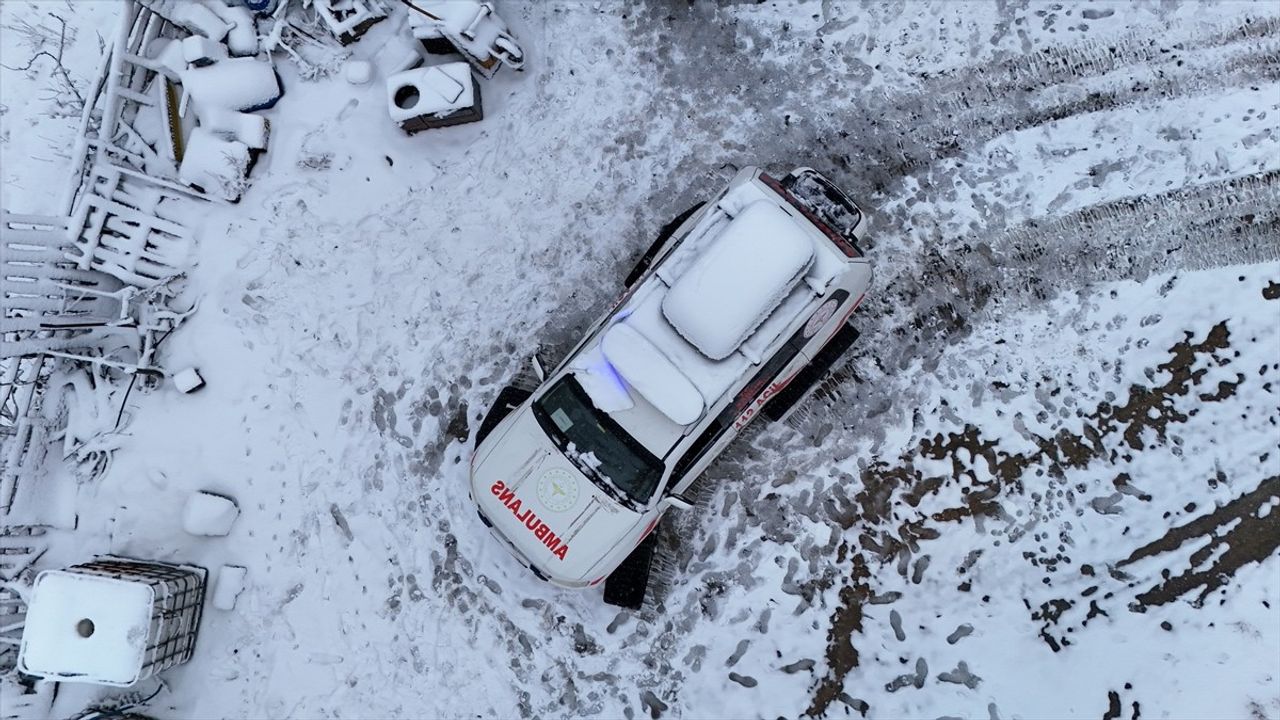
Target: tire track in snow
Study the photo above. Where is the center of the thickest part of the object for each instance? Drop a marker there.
(928, 308)
(948, 113)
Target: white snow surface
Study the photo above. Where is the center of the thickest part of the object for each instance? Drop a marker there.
(1032, 173)
(739, 279)
(54, 643)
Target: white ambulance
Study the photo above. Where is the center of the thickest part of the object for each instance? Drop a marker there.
(736, 311)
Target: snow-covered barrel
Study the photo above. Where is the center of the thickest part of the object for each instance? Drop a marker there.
(112, 621)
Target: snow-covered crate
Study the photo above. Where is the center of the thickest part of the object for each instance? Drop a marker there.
(434, 97)
(112, 621)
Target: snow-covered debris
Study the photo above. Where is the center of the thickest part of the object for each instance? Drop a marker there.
(472, 28)
(41, 294)
(168, 56)
(215, 165)
(646, 369)
(209, 514)
(200, 51)
(348, 20)
(85, 628)
(228, 586)
(188, 380)
(195, 17)
(233, 84)
(737, 282)
(242, 37)
(434, 96)
(252, 130)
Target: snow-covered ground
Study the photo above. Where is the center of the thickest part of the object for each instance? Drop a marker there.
(1046, 483)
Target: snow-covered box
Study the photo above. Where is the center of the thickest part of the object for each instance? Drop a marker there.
(112, 621)
(433, 97)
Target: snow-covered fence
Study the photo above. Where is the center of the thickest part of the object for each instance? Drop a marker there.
(96, 291)
(49, 301)
(20, 548)
(24, 434)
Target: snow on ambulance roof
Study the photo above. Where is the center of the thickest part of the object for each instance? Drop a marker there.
(86, 628)
(734, 284)
(650, 373)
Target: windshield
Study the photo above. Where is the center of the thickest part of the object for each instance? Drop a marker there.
(597, 445)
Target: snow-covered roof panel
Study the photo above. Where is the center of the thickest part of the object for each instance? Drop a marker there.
(651, 374)
(711, 377)
(86, 628)
(739, 280)
(791, 307)
(601, 381)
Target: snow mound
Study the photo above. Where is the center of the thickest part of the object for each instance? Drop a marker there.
(209, 514)
(737, 282)
(358, 72)
(646, 369)
(86, 628)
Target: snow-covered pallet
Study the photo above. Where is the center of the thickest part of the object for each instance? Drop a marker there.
(48, 302)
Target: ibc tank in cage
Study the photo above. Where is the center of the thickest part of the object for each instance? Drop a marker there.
(112, 621)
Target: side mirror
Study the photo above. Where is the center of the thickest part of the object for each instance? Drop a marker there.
(677, 502)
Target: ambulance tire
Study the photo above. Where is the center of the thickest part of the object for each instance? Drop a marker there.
(626, 587)
(804, 381)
